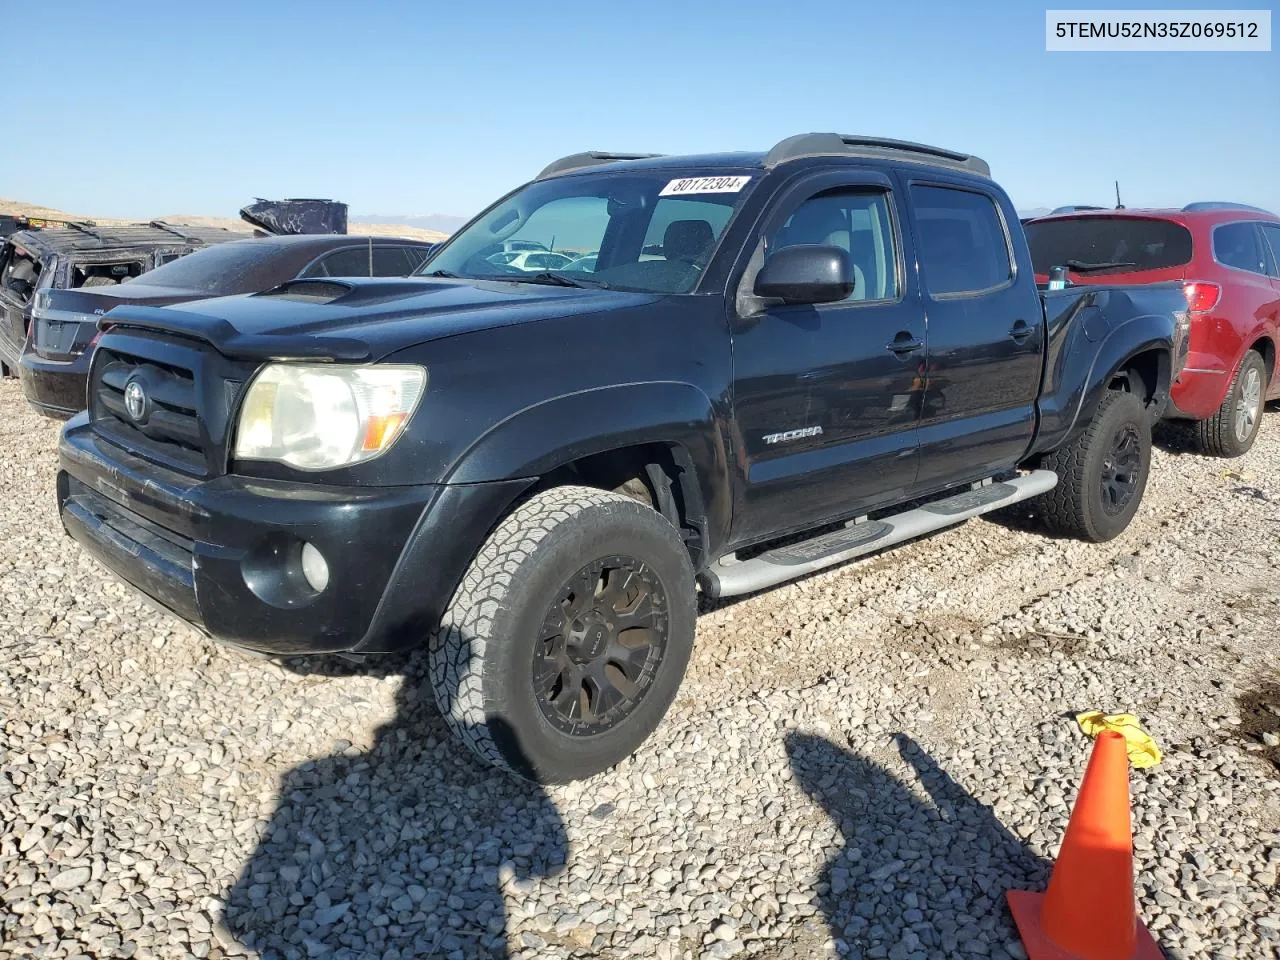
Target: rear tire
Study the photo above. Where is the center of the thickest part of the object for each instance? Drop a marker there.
(1231, 431)
(566, 641)
(1102, 474)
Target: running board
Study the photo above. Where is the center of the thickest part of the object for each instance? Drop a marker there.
(729, 576)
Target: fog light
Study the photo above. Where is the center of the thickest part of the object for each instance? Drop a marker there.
(314, 568)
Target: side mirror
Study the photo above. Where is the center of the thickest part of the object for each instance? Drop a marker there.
(806, 273)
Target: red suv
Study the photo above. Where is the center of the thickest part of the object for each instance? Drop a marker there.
(1227, 257)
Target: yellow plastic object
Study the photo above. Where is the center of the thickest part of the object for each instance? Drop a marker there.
(1143, 750)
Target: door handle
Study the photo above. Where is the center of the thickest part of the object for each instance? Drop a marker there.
(1021, 331)
(903, 344)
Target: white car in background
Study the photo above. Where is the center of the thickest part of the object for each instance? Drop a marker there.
(531, 260)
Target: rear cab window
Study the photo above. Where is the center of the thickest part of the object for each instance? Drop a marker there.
(962, 241)
(1102, 246)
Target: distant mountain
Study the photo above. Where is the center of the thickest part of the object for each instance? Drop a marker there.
(443, 222)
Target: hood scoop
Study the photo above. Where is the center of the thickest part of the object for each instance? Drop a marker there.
(308, 291)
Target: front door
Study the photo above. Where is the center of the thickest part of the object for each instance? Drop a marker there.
(827, 396)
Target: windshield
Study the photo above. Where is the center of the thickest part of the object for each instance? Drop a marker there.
(648, 232)
(220, 270)
(1111, 244)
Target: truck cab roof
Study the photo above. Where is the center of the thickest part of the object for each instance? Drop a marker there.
(799, 147)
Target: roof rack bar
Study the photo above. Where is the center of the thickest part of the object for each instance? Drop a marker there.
(84, 226)
(1221, 205)
(590, 158)
(169, 228)
(881, 148)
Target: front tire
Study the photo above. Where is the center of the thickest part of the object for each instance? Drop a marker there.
(567, 639)
(1231, 431)
(1102, 474)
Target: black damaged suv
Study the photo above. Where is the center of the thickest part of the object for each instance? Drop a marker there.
(70, 255)
(762, 365)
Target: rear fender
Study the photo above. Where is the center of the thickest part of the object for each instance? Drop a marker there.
(1086, 369)
(548, 435)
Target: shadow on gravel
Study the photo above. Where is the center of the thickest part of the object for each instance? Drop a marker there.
(913, 878)
(1260, 719)
(395, 851)
(1175, 436)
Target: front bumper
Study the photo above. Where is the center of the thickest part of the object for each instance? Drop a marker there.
(224, 554)
(55, 388)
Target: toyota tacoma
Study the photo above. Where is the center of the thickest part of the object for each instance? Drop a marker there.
(778, 362)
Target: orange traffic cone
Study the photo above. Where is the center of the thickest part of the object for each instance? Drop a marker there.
(1088, 912)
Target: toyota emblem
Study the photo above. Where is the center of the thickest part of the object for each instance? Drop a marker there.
(135, 400)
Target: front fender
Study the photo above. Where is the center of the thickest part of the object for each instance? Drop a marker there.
(549, 434)
(1087, 366)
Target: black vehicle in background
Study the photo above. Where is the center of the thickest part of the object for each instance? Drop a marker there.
(69, 255)
(11, 223)
(65, 322)
(779, 362)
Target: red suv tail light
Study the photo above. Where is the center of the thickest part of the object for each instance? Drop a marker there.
(1201, 296)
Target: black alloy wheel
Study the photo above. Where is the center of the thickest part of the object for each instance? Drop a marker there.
(1121, 470)
(602, 640)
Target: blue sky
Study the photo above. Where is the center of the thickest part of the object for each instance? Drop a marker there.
(430, 107)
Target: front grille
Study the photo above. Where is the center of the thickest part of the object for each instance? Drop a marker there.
(168, 428)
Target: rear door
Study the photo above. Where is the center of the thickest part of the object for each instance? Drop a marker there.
(1270, 233)
(826, 397)
(986, 334)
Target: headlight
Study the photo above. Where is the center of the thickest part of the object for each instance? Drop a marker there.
(317, 416)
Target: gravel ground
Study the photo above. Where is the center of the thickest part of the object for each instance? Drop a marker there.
(858, 765)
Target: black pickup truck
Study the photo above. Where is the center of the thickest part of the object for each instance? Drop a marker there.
(775, 362)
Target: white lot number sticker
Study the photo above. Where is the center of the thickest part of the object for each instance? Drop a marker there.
(678, 188)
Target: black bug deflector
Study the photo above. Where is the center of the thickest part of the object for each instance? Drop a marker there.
(231, 342)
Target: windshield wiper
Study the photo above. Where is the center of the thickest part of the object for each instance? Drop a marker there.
(443, 274)
(549, 278)
(1080, 266)
(558, 280)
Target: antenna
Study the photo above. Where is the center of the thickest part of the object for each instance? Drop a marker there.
(1119, 205)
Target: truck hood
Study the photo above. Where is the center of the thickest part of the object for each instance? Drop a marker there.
(361, 318)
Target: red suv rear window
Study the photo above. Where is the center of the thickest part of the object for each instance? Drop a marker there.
(1102, 245)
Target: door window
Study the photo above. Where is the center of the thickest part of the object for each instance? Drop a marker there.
(856, 221)
(391, 261)
(1236, 245)
(347, 262)
(962, 241)
(1271, 236)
